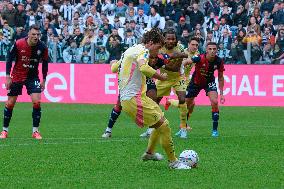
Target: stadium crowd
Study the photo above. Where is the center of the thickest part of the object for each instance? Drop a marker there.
(98, 31)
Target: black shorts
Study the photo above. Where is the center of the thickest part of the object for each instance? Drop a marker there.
(151, 84)
(193, 89)
(32, 86)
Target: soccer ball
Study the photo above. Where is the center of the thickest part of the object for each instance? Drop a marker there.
(189, 157)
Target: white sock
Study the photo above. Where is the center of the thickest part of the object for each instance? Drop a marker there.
(108, 129)
(5, 129)
(35, 129)
(149, 130)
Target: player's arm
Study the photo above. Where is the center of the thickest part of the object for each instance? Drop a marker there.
(10, 58)
(115, 65)
(44, 68)
(221, 86)
(149, 71)
(175, 55)
(193, 59)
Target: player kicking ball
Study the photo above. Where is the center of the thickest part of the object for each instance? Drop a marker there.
(27, 53)
(143, 110)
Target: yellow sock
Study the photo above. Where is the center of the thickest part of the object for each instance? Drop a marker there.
(153, 140)
(182, 115)
(174, 102)
(167, 141)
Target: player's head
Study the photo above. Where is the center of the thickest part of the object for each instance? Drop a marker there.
(170, 38)
(193, 44)
(34, 34)
(211, 49)
(153, 40)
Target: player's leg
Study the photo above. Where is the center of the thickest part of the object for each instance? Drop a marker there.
(151, 93)
(36, 114)
(112, 119)
(8, 112)
(34, 90)
(15, 90)
(213, 96)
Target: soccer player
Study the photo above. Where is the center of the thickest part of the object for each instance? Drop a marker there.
(191, 51)
(132, 85)
(176, 79)
(151, 92)
(27, 53)
(203, 78)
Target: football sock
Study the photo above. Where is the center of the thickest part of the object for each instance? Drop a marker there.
(36, 114)
(215, 119)
(113, 116)
(167, 141)
(182, 115)
(35, 129)
(8, 112)
(174, 102)
(153, 140)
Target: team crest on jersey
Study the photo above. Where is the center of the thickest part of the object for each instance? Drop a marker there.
(38, 52)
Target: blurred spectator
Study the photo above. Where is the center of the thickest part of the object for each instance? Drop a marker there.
(31, 4)
(7, 31)
(93, 14)
(240, 17)
(141, 19)
(20, 16)
(237, 52)
(113, 36)
(67, 10)
(216, 33)
(278, 14)
(159, 7)
(115, 50)
(154, 19)
(20, 33)
(100, 39)
(145, 6)
(83, 8)
(129, 39)
(120, 9)
(86, 50)
(108, 7)
(211, 6)
(117, 23)
(253, 26)
(47, 6)
(102, 56)
(77, 37)
(137, 30)
(173, 10)
(184, 39)
(280, 39)
(224, 25)
(223, 53)
(195, 15)
(106, 26)
(251, 5)
(72, 54)
(255, 52)
(225, 13)
(130, 16)
(252, 37)
(182, 25)
(10, 14)
(210, 21)
(267, 54)
(267, 5)
(4, 46)
(267, 37)
(130, 7)
(226, 40)
(257, 15)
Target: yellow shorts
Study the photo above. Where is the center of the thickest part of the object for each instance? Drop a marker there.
(143, 110)
(164, 87)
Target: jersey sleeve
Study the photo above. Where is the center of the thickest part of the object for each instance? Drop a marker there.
(143, 55)
(10, 58)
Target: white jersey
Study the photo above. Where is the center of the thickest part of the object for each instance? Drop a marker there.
(131, 81)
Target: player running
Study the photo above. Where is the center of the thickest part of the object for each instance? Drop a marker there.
(27, 53)
(132, 85)
(203, 78)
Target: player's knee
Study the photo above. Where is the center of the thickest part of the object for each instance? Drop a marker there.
(10, 105)
(214, 103)
(117, 107)
(36, 104)
(165, 127)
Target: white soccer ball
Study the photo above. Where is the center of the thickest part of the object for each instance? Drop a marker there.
(189, 157)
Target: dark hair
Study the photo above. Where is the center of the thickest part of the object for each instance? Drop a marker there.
(34, 26)
(211, 43)
(153, 35)
(193, 39)
(171, 31)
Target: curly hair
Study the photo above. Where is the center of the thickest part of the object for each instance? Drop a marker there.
(153, 35)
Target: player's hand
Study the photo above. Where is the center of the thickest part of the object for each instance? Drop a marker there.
(8, 82)
(112, 62)
(164, 77)
(42, 86)
(222, 99)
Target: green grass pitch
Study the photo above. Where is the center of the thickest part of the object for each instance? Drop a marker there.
(248, 154)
